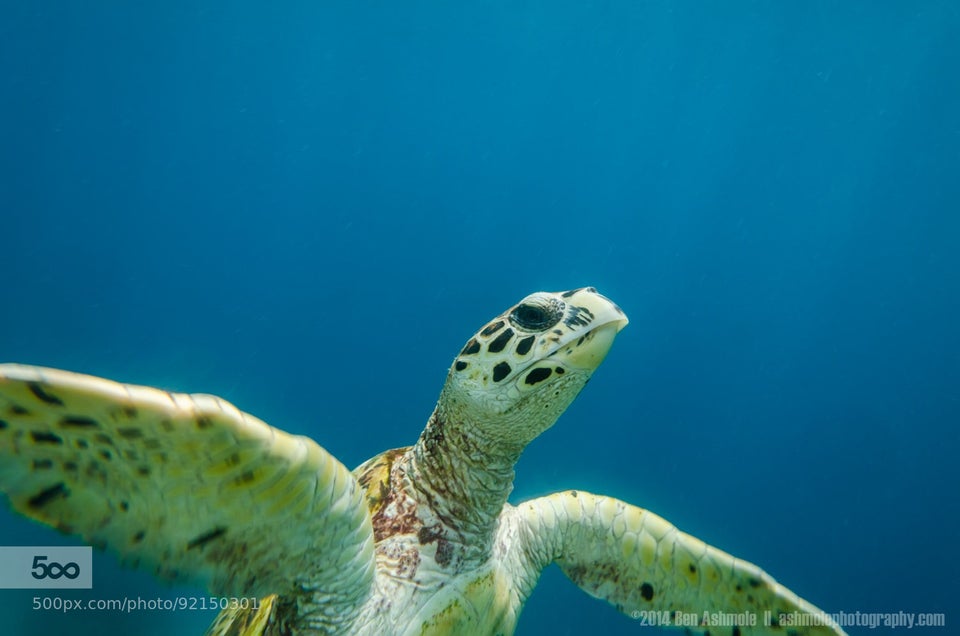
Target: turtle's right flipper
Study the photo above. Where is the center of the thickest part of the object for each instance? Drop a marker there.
(647, 568)
(186, 486)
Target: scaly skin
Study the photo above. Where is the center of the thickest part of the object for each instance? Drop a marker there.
(418, 540)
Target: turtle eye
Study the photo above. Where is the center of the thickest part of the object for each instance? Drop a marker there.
(537, 314)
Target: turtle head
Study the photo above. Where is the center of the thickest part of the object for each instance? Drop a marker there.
(516, 376)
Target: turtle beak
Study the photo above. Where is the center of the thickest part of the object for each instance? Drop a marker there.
(593, 346)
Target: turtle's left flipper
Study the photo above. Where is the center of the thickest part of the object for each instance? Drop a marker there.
(186, 486)
(647, 568)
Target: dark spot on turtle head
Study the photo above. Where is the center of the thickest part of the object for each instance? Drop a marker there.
(124, 506)
(42, 437)
(693, 568)
(39, 392)
(523, 347)
(501, 371)
(71, 467)
(538, 375)
(16, 409)
(143, 471)
(500, 341)
(130, 432)
(78, 421)
(492, 328)
(204, 422)
(736, 630)
(460, 365)
(775, 622)
(3, 425)
(471, 347)
(42, 464)
(47, 495)
(206, 538)
(753, 582)
(646, 591)
(106, 454)
(137, 538)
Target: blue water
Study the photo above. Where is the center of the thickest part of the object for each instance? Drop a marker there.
(307, 209)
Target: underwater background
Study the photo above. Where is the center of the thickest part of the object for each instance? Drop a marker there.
(307, 208)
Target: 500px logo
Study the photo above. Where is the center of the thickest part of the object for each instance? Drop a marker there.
(53, 570)
(46, 567)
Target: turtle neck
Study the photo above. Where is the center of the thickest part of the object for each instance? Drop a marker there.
(464, 479)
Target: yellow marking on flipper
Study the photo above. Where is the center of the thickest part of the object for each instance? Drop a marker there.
(631, 542)
(709, 569)
(648, 548)
(261, 618)
(687, 553)
(282, 483)
(232, 460)
(657, 526)
(246, 621)
(634, 518)
(665, 550)
(296, 499)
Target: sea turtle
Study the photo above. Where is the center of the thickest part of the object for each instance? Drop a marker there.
(417, 540)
